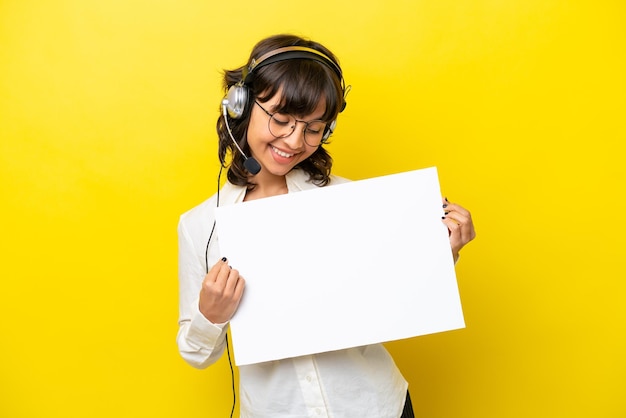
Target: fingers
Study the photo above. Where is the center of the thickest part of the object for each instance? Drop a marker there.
(222, 273)
(221, 292)
(460, 225)
(458, 215)
(226, 279)
(232, 281)
(211, 276)
(456, 211)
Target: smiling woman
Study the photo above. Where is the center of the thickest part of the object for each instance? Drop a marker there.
(285, 76)
(274, 75)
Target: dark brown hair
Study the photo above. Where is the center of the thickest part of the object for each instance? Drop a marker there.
(303, 83)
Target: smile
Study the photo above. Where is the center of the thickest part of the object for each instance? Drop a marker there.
(281, 153)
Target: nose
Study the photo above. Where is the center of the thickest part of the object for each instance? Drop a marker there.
(296, 139)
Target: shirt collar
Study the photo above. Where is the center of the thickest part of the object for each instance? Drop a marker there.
(297, 180)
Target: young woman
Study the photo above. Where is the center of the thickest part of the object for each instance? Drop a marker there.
(279, 110)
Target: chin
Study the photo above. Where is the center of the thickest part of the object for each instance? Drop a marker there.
(280, 171)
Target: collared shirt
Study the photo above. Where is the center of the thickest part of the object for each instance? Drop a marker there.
(357, 382)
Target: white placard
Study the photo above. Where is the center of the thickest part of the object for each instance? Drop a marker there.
(340, 266)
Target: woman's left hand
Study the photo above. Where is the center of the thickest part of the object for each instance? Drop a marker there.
(460, 226)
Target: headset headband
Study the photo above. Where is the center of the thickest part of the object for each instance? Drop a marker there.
(287, 53)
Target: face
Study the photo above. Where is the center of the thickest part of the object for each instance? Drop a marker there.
(278, 156)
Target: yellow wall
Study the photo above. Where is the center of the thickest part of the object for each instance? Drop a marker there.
(107, 113)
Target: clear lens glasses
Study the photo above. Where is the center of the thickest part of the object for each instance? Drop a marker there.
(283, 125)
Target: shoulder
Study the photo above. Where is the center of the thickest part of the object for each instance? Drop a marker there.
(199, 219)
(201, 211)
(196, 223)
(338, 180)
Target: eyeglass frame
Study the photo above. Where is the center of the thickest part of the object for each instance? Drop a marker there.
(306, 125)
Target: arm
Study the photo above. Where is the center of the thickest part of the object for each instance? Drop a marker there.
(200, 342)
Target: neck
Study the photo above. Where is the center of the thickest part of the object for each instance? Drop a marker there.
(267, 186)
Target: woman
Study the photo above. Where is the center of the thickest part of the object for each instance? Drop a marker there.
(279, 110)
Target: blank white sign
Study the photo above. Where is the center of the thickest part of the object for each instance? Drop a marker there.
(340, 266)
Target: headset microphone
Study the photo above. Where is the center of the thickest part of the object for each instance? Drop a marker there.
(249, 163)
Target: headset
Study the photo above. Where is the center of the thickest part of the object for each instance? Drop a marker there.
(237, 97)
(234, 106)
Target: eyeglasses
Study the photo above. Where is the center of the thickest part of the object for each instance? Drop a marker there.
(282, 125)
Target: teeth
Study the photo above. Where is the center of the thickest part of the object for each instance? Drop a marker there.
(282, 154)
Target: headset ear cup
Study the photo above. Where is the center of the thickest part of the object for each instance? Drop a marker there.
(237, 97)
(329, 130)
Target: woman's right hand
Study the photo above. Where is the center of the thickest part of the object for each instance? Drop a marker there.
(221, 292)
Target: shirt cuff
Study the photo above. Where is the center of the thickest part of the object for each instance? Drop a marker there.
(204, 332)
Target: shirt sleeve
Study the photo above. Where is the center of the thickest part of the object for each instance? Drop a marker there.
(200, 342)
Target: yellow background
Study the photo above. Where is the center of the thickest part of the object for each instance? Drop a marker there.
(107, 115)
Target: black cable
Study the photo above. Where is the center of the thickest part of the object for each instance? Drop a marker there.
(232, 377)
(206, 251)
(206, 264)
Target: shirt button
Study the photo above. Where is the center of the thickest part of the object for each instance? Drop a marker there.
(318, 411)
(308, 378)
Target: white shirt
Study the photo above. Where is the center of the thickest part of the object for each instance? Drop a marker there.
(357, 382)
